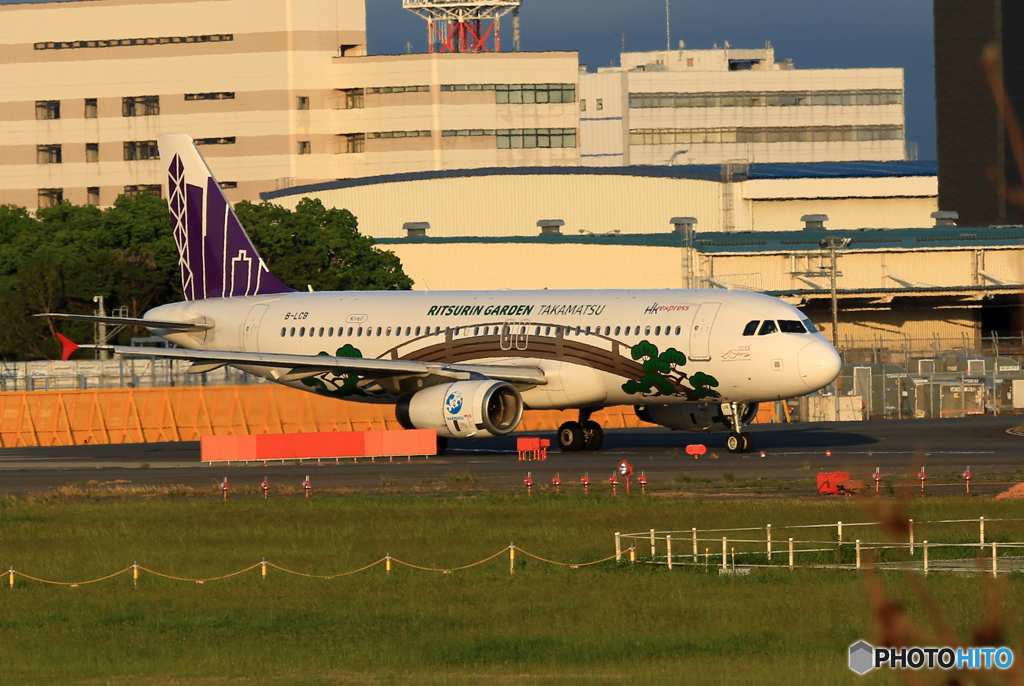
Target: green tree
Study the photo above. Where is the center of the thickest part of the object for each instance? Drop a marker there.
(320, 247)
(57, 260)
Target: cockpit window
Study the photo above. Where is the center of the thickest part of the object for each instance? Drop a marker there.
(791, 326)
(751, 328)
(810, 326)
(767, 328)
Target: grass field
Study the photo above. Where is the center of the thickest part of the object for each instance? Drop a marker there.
(605, 624)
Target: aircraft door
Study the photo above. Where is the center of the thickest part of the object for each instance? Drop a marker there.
(250, 331)
(522, 336)
(700, 331)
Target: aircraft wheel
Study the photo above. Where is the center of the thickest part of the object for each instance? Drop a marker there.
(593, 436)
(748, 442)
(571, 437)
(442, 445)
(735, 443)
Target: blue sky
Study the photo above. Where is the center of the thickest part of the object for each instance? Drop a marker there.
(814, 33)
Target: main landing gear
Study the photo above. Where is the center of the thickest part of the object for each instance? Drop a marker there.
(738, 442)
(582, 435)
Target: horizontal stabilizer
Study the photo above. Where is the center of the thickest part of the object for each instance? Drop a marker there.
(178, 327)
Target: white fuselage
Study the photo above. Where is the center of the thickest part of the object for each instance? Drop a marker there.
(596, 347)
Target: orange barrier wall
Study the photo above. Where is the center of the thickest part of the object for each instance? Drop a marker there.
(317, 445)
(149, 415)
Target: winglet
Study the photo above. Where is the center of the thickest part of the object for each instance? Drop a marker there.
(67, 345)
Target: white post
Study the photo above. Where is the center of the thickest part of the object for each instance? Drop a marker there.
(791, 553)
(839, 529)
(994, 560)
(858, 553)
(653, 551)
(911, 537)
(668, 549)
(769, 528)
(725, 547)
(981, 529)
(694, 544)
(924, 547)
(618, 548)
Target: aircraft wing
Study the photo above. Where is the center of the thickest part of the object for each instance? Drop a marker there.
(178, 327)
(295, 367)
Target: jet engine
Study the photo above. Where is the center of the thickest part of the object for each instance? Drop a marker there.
(694, 416)
(463, 409)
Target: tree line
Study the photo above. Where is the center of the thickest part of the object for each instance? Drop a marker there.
(58, 259)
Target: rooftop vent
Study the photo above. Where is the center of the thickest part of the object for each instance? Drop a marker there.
(551, 227)
(415, 229)
(945, 218)
(681, 224)
(814, 221)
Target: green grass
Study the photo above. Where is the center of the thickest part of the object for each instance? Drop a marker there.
(606, 624)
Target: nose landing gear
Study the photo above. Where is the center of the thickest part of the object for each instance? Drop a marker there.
(582, 435)
(738, 442)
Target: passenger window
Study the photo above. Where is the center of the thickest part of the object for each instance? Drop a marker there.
(677, 330)
(791, 326)
(369, 331)
(751, 328)
(283, 331)
(360, 331)
(321, 332)
(456, 331)
(617, 331)
(647, 331)
(537, 332)
(417, 331)
(810, 326)
(293, 331)
(350, 331)
(330, 332)
(476, 331)
(578, 331)
(378, 331)
(588, 330)
(302, 332)
(547, 330)
(388, 332)
(657, 331)
(767, 328)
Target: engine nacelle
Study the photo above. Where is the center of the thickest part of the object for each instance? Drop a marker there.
(463, 409)
(694, 416)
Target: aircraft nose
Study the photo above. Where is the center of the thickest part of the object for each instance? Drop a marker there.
(819, 364)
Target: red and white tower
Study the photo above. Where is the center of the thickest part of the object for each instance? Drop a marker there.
(464, 25)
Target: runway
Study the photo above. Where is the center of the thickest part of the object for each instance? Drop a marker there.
(793, 452)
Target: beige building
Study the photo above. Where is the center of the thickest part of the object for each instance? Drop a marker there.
(282, 94)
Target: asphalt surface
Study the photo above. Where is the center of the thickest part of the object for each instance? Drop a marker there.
(794, 452)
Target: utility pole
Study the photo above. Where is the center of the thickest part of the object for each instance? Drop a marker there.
(101, 328)
(832, 243)
(668, 30)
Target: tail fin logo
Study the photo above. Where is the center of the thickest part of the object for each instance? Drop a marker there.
(217, 258)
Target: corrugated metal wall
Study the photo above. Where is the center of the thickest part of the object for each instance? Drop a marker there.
(511, 205)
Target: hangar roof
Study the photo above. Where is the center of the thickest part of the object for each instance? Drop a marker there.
(767, 241)
(815, 170)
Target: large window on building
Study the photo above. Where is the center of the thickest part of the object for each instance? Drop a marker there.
(384, 90)
(141, 150)
(48, 197)
(47, 109)
(353, 142)
(399, 134)
(151, 188)
(48, 154)
(222, 95)
(140, 106)
(224, 140)
(92, 152)
(125, 42)
(536, 138)
(353, 98)
(91, 110)
(767, 99)
(92, 195)
(787, 134)
(521, 93)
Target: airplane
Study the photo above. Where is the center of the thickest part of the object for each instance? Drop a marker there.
(467, 363)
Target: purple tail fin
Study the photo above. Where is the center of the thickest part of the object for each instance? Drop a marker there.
(216, 256)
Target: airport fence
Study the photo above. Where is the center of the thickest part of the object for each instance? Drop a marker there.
(62, 375)
(712, 550)
(949, 545)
